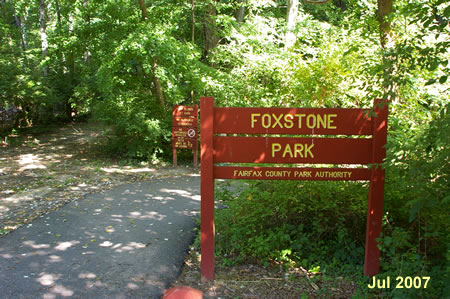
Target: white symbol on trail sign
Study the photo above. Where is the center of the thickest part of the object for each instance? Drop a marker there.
(191, 133)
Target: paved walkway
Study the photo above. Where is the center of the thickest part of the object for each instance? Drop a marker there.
(128, 242)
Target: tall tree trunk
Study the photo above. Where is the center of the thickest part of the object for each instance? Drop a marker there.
(19, 24)
(240, 13)
(10, 43)
(70, 58)
(384, 9)
(3, 9)
(87, 53)
(43, 31)
(156, 82)
(193, 38)
(23, 28)
(62, 57)
(386, 42)
(209, 30)
(291, 21)
(143, 9)
(62, 68)
(193, 21)
(58, 13)
(70, 55)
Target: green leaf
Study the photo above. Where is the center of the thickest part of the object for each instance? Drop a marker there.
(446, 200)
(431, 81)
(443, 79)
(447, 11)
(416, 206)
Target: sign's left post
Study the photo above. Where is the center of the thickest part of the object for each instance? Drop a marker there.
(207, 189)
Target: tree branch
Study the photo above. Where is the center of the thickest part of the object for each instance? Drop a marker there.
(316, 1)
(143, 9)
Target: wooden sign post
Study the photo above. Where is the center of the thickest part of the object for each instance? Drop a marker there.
(184, 130)
(309, 122)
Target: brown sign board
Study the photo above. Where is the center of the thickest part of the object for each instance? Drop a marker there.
(184, 130)
(185, 111)
(305, 141)
(185, 121)
(189, 143)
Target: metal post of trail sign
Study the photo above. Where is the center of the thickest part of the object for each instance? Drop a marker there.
(184, 130)
(365, 154)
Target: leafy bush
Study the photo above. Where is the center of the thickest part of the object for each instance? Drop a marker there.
(305, 223)
(415, 238)
(129, 101)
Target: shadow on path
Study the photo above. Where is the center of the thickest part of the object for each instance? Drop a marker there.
(128, 242)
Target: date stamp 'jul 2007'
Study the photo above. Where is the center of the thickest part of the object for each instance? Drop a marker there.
(401, 282)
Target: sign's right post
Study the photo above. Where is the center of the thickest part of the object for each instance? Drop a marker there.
(376, 189)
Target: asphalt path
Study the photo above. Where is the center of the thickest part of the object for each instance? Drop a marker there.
(128, 242)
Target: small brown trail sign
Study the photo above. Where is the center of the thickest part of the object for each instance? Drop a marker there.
(184, 130)
(311, 149)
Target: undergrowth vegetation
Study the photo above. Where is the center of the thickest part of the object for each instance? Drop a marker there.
(320, 226)
(128, 64)
(310, 224)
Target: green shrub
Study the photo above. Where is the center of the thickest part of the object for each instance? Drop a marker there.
(305, 223)
(141, 120)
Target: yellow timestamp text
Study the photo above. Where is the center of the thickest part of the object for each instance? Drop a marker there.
(400, 282)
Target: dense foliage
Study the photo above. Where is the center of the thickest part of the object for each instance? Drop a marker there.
(128, 62)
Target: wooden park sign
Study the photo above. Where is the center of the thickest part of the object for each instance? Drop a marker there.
(368, 149)
(184, 130)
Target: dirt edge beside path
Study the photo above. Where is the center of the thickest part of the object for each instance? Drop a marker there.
(42, 171)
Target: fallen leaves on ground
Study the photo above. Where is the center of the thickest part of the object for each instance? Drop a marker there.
(255, 281)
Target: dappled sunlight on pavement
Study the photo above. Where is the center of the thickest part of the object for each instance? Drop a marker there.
(50, 170)
(30, 161)
(126, 242)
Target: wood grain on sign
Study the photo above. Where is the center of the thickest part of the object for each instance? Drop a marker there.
(292, 173)
(292, 150)
(292, 121)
